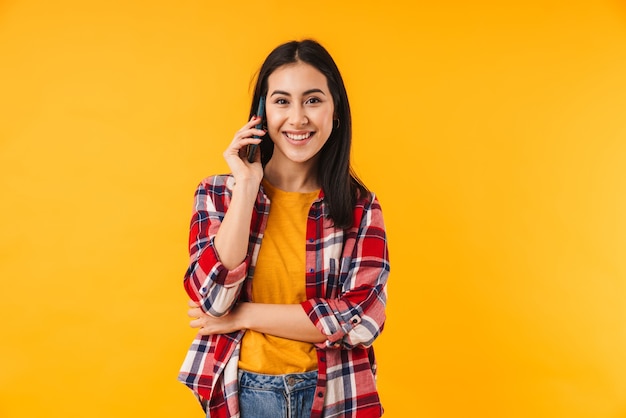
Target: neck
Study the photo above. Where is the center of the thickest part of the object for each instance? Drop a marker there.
(295, 178)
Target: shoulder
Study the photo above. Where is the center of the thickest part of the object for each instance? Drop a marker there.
(214, 193)
(219, 184)
(366, 201)
(367, 209)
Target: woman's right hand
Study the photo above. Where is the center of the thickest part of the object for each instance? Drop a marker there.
(236, 154)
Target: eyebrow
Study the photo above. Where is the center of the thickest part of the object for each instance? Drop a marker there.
(304, 94)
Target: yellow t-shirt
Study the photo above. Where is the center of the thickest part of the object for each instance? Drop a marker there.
(279, 277)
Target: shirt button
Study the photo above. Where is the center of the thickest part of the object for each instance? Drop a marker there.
(322, 359)
(320, 394)
(311, 270)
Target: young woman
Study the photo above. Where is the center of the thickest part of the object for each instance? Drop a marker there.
(288, 258)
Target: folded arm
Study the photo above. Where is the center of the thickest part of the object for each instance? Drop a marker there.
(285, 321)
(357, 316)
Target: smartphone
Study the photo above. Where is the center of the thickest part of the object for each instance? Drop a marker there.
(261, 113)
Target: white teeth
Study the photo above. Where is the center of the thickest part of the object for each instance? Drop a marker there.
(298, 137)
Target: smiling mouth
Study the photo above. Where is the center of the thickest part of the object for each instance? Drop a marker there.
(298, 137)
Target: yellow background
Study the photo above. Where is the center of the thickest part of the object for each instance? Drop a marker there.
(493, 132)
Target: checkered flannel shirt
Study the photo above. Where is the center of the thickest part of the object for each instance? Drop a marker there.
(346, 287)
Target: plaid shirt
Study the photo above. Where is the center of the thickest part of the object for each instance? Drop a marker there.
(346, 278)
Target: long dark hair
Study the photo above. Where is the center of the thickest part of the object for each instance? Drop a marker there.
(340, 184)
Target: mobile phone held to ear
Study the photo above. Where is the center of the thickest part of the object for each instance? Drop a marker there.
(260, 112)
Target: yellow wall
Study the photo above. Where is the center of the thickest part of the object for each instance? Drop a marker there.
(494, 133)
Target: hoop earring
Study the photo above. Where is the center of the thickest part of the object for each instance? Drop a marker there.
(338, 123)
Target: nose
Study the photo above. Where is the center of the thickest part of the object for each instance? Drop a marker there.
(297, 116)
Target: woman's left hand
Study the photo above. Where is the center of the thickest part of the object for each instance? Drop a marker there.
(208, 325)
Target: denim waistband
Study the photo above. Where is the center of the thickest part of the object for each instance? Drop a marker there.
(288, 382)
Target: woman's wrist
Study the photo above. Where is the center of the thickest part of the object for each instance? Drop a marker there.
(242, 316)
(247, 187)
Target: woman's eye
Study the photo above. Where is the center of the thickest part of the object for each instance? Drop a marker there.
(313, 100)
(281, 101)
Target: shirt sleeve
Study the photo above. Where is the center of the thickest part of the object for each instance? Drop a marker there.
(207, 281)
(357, 316)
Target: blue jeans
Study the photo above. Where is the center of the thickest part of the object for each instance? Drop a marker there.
(276, 396)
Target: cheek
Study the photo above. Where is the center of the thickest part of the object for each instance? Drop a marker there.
(327, 119)
(273, 121)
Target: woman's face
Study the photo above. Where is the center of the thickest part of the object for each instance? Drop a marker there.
(299, 112)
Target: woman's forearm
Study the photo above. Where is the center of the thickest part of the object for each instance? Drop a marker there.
(231, 240)
(285, 321)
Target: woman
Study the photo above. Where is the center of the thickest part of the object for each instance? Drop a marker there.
(288, 258)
